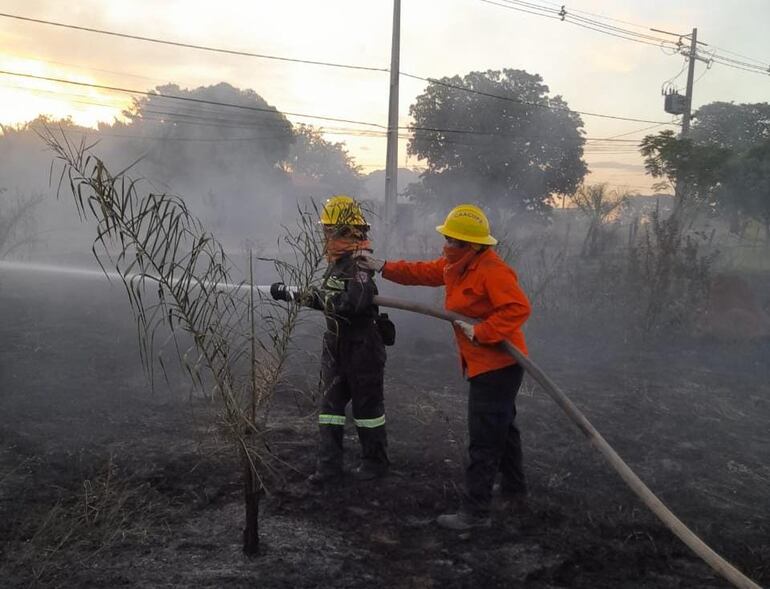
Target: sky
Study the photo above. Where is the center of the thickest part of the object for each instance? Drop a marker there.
(593, 72)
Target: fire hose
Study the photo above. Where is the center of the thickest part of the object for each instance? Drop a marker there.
(663, 513)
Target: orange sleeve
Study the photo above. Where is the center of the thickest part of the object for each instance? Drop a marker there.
(510, 307)
(415, 273)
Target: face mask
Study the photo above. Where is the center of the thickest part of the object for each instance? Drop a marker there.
(336, 247)
(455, 254)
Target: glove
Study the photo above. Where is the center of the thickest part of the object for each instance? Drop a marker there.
(466, 328)
(313, 297)
(279, 292)
(367, 262)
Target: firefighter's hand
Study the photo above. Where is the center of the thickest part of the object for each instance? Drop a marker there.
(280, 292)
(366, 262)
(312, 297)
(466, 328)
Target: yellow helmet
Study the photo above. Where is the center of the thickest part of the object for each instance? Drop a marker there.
(342, 210)
(467, 223)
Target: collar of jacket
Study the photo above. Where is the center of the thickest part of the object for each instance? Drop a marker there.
(476, 260)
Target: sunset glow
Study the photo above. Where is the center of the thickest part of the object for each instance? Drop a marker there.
(24, 99)
(595, 73)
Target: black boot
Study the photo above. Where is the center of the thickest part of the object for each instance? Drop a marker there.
(326, 478)
(368, 470)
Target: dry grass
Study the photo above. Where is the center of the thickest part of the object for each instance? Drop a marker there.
(105, 510)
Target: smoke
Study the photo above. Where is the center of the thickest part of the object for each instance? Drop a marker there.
(244, 169)
(237, 161)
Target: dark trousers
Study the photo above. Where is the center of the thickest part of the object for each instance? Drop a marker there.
(494, 439)
(352, 370)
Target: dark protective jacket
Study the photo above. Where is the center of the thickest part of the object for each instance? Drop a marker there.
(352, 366)
(346, 297)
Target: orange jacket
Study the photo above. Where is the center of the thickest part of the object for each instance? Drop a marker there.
(488, 290)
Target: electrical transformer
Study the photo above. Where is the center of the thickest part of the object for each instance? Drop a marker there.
(674, 103)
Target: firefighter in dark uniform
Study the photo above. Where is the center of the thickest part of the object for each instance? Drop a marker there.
(353, 355)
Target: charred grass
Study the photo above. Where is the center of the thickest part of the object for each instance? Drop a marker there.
(106, 483)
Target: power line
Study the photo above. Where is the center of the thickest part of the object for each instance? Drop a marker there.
(167, 138)
(52, 23)
(248, 54)
(141, 38)
(704, 72)
(673, 78)
(535, 9)
(722, 61)
(191, 45)
(564, 15)
(647, 36)
(92, 69)
(190, 99)
(763, 64)
(508, 4)
(438, 130)
(443, 83)
(526, 102)
(520, 9)
(615, 140)
(739, 62)
(617, 31)
(59, 93)
(603, 17)
(200, 118)
(195, 117)
(100, 133)
(640, 130)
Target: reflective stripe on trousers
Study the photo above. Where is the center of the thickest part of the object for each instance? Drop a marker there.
(371, 423)
(329, 419)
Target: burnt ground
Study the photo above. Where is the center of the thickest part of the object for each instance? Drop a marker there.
(105, 482)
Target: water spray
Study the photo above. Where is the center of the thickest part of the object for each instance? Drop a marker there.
(129, 277)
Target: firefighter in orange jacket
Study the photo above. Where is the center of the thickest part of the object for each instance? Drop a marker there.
(481, 285)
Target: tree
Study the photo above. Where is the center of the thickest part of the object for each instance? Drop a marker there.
(178, 279)
(674, 269)
(737, 127)
(747, 184)
(225, 159)
(695, 170)
(598, 203)
(744, 129)
(511, 153)
(185, 134)
(329, 163)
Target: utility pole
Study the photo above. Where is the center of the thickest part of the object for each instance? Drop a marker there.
(687, 114)
(686, 109)
(391, 159)
(692, 55)
(690, 73)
